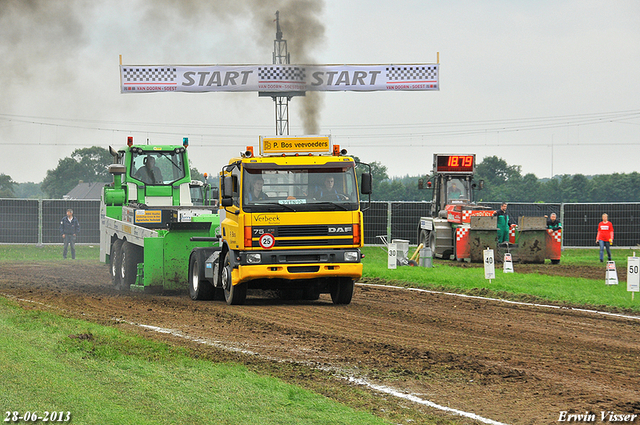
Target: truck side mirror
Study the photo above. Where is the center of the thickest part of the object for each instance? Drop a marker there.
(421, 184)
(227, 186)
(365, 184)
(481, 185)
(215, 193)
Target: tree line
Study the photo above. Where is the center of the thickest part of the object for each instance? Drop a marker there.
(502, 182)
(505, 183)
(86, 165)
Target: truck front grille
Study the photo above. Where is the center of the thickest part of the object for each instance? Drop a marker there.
(312, 235)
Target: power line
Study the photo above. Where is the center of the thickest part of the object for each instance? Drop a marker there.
(395, 131)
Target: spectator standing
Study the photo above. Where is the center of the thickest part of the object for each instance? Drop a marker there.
(69, 228)
(553, 223)
(605, 236)
(503, 223)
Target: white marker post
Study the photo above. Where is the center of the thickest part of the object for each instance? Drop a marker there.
(392, 258)
(489, 264)
(611, 277)
(507, 265)
(633, 275)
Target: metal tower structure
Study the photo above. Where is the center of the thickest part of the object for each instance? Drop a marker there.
(281, 57)
(281, 99)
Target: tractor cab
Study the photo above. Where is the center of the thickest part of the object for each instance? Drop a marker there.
(452, 183)
(155, 175)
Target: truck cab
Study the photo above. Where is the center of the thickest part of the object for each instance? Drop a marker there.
(291, 220)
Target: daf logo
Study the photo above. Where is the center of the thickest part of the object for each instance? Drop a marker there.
(338, 229)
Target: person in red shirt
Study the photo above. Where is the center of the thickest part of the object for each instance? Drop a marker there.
(605, 236)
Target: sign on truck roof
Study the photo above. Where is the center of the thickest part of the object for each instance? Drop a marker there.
(291, 145)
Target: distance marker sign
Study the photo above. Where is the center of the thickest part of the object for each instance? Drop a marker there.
(633, 274)
(392, 257)
(489, 264)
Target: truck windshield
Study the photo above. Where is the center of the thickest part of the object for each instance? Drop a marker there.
(158, 167)
(296, 189)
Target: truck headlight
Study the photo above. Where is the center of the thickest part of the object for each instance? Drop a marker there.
(254, 258)
(352, 256)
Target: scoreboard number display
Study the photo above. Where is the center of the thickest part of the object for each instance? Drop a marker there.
(455, 163)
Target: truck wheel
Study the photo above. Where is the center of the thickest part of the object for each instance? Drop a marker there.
(555, 261)
(233, 294)
(342, 290)
(114, 258)
(129, 259)
(218, 294)
(199, 287)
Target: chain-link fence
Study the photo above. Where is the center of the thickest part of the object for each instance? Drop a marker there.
(579, 221)
(28, 221)
(19, 221)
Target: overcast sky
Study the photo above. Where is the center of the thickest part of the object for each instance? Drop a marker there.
(552, 86)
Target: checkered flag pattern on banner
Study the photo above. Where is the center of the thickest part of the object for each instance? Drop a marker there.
(412, 73)
(156, 75)
(281, 73)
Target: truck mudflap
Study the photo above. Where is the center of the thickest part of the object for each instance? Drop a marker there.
(211, 267)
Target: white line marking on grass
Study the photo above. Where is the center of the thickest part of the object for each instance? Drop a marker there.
(557, 307)
(359, 381)
(354, 380)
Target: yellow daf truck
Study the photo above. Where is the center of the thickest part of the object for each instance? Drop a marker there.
(290, 221)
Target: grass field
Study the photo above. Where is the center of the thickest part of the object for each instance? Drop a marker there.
(104, 375)
(101, 375)
(533, 287)
(46, 253)
(443, 276)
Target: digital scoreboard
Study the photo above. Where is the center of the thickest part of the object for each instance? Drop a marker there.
(455, 163)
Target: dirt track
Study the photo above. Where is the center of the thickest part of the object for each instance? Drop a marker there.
(506, 362)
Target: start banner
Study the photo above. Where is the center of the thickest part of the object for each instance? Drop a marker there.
(278, 78)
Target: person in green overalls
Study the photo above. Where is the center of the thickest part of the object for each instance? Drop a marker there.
(503, 223)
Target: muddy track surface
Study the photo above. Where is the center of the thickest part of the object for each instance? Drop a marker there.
(510, 363)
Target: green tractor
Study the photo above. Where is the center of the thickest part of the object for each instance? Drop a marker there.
(149, 223)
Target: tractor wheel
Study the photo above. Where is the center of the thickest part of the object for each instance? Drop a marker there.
(342, 290)
(199, 287)
(555, 261)
(433, 242)
(233, 294)
(423, 238)
(130, 256)
(114, 258)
